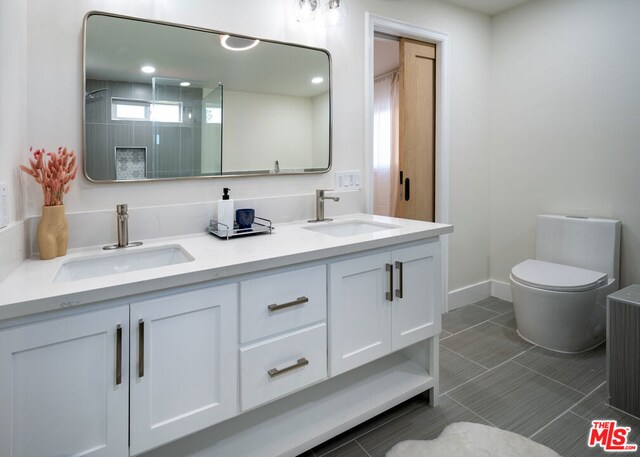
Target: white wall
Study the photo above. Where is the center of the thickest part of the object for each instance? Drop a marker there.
(13, 130)
(565, 130)
(13, 98)
(55, 101)
(320, 139)
(259, 129)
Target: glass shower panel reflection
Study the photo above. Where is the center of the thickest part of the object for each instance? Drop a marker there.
(180, 144)
(211, 159)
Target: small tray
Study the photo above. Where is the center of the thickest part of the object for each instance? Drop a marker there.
(221, 230)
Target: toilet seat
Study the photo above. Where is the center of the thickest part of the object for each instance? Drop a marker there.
(557, 277)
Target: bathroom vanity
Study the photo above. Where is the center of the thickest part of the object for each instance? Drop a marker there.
(260, 346)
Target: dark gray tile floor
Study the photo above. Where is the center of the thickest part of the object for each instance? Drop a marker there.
(491, 376)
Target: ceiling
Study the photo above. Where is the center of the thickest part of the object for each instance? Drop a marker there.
(116, 48)
(490, 7)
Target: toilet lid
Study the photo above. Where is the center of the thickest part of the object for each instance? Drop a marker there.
(553, 276)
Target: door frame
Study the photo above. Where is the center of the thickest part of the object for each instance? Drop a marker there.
(373, 24)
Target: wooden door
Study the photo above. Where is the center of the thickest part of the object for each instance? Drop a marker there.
(184, 364)
(417, 130)
(360, 311)
(60, 393)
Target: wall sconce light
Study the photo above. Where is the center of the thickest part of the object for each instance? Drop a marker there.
(305, 10)
(334, 12)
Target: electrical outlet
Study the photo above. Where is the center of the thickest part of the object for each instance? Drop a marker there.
(348, 180)
(4, 204)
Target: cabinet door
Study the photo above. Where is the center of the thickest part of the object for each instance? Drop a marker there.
(59, 392)
(184, 364)
(418, 294)
(359, 312)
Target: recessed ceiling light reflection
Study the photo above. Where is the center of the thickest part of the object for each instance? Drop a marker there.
(185, 83)
(237, 43)
(148, 69)
(317, 80)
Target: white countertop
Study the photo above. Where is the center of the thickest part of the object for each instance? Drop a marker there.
(30, 288)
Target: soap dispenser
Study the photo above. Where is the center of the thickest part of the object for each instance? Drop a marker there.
(225, 213)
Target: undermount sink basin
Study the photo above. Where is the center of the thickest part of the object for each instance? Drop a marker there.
(349, 228)
(129, 259)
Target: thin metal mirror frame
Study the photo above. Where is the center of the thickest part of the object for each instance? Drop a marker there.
(199, 29)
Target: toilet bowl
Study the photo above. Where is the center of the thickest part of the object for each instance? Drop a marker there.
(560, 297)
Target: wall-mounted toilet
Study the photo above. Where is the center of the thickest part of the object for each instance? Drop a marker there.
(560, 297)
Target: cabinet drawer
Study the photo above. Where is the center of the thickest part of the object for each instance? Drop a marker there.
(282, 302)
(282, 365)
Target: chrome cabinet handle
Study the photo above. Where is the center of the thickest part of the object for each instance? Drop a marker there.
(298, 301)
(140, 348)
(389, 293)
(299, 364)
(118, 355)
(399, 290)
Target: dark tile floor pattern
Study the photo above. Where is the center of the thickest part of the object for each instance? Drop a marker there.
(490, 376)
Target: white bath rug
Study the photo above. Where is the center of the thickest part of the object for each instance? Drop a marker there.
(464, 439)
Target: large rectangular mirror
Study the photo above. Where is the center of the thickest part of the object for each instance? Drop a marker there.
(166, 101)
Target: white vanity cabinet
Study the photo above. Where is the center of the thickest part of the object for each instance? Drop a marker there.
(284, 334)
(287, 350)
(64, 386)
(383, 302)
(183, 364)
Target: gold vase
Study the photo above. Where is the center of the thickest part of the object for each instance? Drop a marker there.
(52, 232)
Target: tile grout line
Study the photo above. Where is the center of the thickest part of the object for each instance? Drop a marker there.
(578, 415)
(550, 378)
(466, 358)
(474, 325)
(569, 410)
(502, 325)
(489, 370)
(468, 328)
(472, 411)
(362, 447)
(499, 314)
(582, 399)
(549, 423)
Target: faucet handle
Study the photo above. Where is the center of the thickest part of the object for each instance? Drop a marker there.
(122, 209)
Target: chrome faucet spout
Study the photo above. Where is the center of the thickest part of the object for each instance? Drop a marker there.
(122, 222)
(320, 198)
(123, 225)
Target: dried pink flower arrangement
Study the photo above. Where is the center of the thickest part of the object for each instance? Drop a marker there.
(53, 174)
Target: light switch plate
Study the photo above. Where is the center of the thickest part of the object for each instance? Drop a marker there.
(4, 204)
(348, 180)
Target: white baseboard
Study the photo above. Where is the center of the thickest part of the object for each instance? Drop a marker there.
(469, 294)
(501, 290)
(475, 292)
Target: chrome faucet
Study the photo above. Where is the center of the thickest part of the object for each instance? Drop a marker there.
(122, 217)
(320, 198)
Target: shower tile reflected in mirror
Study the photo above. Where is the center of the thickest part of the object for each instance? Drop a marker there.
(131, 163)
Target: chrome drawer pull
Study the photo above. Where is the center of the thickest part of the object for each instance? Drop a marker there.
(299, 364)
(118, 355)
(388, 295)
(298, 301)
(400, 291)
(140, 348)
